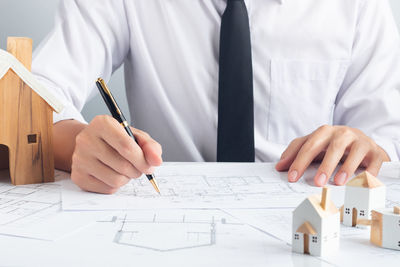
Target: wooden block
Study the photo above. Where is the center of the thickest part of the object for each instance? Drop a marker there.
(21, 48)
(341, 213)
(325, 197)
(396, 210)
(376, 228)
(364, 222)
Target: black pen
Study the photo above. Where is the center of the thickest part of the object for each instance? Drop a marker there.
(117, 114)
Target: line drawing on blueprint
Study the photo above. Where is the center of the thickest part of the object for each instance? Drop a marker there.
(192, 191)
(165, 234)
(212, 188)
(21, 202)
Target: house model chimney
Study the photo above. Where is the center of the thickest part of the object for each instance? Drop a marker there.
(396, 210)
(325, 198)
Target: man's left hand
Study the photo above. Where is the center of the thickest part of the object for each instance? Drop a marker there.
(332, 145)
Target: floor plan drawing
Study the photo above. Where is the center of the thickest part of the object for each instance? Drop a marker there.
(19, 203)
(166, 231)
(34, 211)
(191, 188)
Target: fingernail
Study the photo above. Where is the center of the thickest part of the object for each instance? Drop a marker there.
(341, 179)
(292, 176)
(321, 180)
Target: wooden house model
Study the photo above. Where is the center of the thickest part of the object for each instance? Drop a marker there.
(385, 228)
(362, 194)
(316, 226)
(26, 117)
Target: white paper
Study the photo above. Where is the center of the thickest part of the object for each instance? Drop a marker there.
(34, 211)
(202, 186)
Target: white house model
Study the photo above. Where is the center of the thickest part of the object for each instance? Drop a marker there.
(385, 228)
(362, 194)
(316, 226)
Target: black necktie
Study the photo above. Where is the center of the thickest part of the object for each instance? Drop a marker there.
(235, 101)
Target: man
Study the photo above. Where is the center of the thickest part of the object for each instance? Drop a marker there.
(226, 80)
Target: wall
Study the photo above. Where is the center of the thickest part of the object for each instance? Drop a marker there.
(37, 21)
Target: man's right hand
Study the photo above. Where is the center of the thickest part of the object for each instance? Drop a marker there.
(106, 157)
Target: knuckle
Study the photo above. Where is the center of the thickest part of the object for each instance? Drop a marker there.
(101, 119)
(97, 120)
(337, 144)
(325, 128)
(294, 141)
(345, 132)
(309, 146)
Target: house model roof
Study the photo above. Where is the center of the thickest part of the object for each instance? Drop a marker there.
(322, 204)
(315, 201)
(365, 180)
(8, 61)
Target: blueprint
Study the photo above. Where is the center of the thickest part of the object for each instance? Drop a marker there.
(193, 186)
(34, 211)
(172, 230)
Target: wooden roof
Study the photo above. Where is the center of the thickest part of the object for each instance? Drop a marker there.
(365, 180)
(8, 61)
(306, 228)
(331, 209)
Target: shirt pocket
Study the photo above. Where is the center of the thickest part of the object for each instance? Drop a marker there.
(303, 96)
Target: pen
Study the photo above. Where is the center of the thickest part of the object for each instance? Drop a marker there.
(117, 114)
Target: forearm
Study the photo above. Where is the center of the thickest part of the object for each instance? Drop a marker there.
(64, 134)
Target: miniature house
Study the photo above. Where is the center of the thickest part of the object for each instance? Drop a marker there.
(316, 226)
(362, 194)
(26, 117)
(385, 228)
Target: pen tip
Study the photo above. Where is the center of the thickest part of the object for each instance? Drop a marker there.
(155, 185)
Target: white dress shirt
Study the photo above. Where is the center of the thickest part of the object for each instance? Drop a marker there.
(314, 62)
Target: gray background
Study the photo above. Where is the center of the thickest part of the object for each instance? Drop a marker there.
(37, 20)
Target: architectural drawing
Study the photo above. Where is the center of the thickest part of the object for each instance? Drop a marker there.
(192, 191)
(34, 211)
(19, 203)
(166, 231)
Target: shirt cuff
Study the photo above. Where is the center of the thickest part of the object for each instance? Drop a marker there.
(69, 113)
(389, 146)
